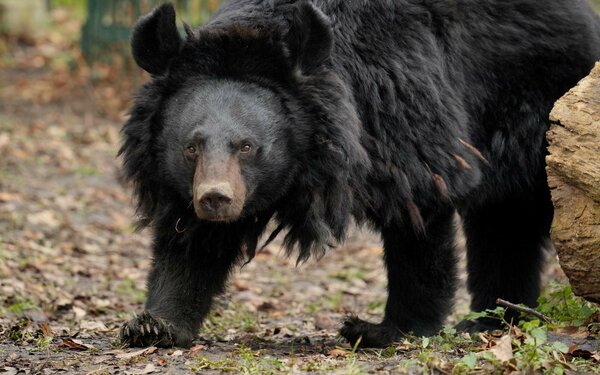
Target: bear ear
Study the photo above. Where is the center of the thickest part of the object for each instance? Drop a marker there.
(155, 40)
(310, 37)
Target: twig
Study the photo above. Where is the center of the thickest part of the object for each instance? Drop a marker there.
(523, 309)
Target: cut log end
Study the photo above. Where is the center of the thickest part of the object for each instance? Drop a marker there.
(574, 176)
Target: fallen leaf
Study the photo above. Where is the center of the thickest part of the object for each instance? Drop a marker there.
(240, 286)
(103, 359)
(517, 332)
(503, 349)
(44, 219)
(4, 139)
(9, 197)
(150, 368)
(46, 330)
(574, 332)
(572, 348)
(75, 344)
(161, 361)
(139, 353)
(177, 353)
(482, 337)
(91, 325)
(337, 353)
(195, 349)
(79, 312)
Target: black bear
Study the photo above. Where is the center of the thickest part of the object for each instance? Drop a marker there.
(396, 113)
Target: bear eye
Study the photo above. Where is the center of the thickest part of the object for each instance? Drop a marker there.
(246, 147)
(190, 150)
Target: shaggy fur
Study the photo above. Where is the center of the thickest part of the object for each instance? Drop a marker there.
(396, 113)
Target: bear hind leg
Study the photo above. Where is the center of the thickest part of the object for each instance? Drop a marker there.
(505, 242)
(421, 270)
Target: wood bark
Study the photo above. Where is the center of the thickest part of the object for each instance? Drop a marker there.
(574, 178)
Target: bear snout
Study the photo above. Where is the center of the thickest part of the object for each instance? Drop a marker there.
(215, 202)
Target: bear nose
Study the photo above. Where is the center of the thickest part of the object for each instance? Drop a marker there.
(214, 201)
(214, 196)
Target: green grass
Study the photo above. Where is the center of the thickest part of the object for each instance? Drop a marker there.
(330, 301)
(564, 308)
(218, 323)
(245, 361)
(127, 286)
(21, 306)
(86, 171)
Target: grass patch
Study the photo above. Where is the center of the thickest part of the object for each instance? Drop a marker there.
(127, 286)
(329, 301)
(235, 318)
(564, 308)
(21, 306)
(86, 171)
(349, 274)
(245, 361)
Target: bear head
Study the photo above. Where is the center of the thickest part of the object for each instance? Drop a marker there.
(242, 122)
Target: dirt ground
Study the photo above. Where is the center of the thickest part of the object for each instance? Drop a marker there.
(72, 269)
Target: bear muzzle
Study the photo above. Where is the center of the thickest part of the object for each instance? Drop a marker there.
(216, 202)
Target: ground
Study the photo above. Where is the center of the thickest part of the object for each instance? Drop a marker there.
(72, 269)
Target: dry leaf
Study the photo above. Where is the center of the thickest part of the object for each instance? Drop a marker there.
(161, 361)
(75, 344)
(574, 332)
(150, 368)
(503, 349)
(139, 353)
(91, 325)
(79, 312)
(337, 353)
(4, 139)
(195, 349)
(43, 218)
(46, 330)
(573, 347)
(9, 197)
(240, 286)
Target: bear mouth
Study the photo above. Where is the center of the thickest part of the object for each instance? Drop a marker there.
(216, 217)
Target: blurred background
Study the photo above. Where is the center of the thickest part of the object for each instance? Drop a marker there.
(87, 40)
(82, 40)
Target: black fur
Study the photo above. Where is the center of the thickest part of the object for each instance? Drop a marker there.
(397, 113)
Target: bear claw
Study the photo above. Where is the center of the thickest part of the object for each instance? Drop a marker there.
(144, 330)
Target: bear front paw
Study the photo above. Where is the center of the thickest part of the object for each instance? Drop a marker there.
(145, 330)
(369, 335)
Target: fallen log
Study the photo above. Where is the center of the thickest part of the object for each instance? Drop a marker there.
(574, 178)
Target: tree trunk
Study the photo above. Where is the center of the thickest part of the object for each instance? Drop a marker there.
(574, 177)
